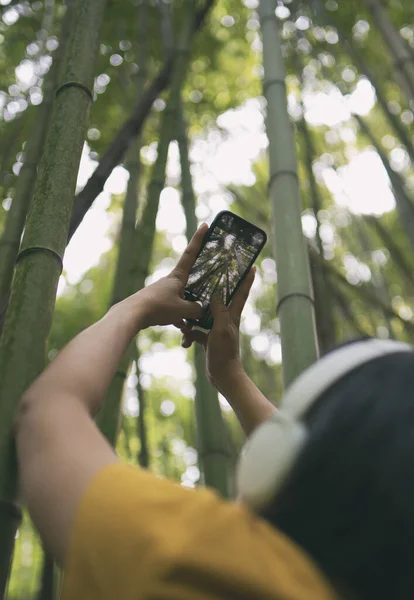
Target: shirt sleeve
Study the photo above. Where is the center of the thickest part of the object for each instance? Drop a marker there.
(128, 530)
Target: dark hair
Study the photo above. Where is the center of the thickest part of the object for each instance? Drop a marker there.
(349, 499)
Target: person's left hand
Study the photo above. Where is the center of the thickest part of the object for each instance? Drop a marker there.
(162, 303)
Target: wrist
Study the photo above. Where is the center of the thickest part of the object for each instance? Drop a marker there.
(133, 313)
(228, 377)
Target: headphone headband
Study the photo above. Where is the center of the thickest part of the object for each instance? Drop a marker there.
(320, 376)
(274, 446)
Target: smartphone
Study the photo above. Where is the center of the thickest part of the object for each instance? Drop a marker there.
(230, 247)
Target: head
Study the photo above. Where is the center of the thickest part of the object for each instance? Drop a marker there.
(347, 497)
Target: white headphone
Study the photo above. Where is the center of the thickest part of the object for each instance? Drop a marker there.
(274, 446)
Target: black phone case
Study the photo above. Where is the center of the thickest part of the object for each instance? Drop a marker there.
(206, 322)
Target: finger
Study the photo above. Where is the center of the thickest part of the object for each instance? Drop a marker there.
(241, 296)
(180, 324)
(194, 336)
(187, 327)
(183, 268)
(219, 312)
(186, 342)
(190, 310)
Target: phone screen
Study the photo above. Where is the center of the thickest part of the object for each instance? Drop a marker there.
(230, 248)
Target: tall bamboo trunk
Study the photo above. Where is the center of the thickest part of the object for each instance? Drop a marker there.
(10, 241)
(295, 303)
(405, 208)
(109, 416)
(47, 580)
(211, 440)
(110, 413)
(402, 55)
(143, 454)
(325, 323)
(39, 264)
(213, 459)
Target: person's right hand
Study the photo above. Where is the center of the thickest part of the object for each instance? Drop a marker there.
(222, 342)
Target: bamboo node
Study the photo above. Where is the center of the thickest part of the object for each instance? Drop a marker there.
(11, 509)
(283, 172)
(34, 249)
(77, 84)
(292, 295)
(271, 17)
(276, 81)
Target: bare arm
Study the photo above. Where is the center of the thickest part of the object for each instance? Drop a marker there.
(249, 404)
(224, 367)
(59, 446)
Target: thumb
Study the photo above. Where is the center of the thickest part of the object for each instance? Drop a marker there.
(219, 312)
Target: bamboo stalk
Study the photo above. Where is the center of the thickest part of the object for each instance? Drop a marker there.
(109, 416)
(295, 303)
(143, 454)
(211, 436)
(402, 56)
(325, 324)
(47, 582)
(132, 126)
(29, 317)
(122, 282)
(110, 413)
(10, 241)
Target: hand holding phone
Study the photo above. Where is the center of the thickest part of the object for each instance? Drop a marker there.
(229, 249)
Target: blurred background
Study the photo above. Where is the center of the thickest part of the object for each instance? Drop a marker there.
(350, 94)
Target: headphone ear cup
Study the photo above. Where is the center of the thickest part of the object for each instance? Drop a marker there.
(267, 458)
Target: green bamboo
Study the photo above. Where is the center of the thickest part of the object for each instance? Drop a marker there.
(325, 324)
(109, 418)
(47, 580)
(400, 52)
(295, 303)
(211, 439)
(405, 208)
(143, 454)
(122, 282)
(10, 241)
(377, 280)
(29, 317)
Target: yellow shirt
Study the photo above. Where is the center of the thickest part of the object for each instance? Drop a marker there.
(139, 537)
